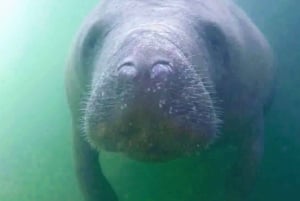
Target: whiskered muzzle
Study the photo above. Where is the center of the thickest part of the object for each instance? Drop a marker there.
(149, 119)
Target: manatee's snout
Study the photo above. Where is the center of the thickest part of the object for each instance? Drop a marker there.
(151, 103)
(148, 65)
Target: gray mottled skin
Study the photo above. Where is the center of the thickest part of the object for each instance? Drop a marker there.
(157, 80)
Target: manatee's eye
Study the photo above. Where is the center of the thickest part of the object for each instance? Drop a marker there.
(215, 36)
(90, 43)
(217, 43)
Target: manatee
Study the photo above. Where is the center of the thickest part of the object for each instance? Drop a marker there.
(161, 80)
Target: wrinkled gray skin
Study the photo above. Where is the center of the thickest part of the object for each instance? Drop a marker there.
(157, 80)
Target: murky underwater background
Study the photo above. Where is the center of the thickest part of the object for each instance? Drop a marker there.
(35, 136)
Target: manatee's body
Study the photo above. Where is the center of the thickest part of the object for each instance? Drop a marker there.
(159, 80)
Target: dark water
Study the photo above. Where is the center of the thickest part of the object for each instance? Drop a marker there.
(35, 139)
(280, 177)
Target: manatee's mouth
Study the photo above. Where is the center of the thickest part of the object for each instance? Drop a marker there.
(148, 136)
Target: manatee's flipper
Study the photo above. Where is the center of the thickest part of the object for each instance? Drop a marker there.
(92, 182)
(244, 172)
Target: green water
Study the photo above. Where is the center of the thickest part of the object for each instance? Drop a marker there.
(35, 139)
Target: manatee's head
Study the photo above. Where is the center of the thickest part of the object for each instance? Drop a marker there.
(150, 99)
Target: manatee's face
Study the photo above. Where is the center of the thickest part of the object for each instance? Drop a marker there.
(150, 101)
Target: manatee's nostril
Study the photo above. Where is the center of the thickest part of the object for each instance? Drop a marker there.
(128, 72)
(160, 71)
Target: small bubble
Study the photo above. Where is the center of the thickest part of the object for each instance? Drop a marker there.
(170, 110)
(194, 108)
(161, 103)
(148, 89)
(122, 107)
